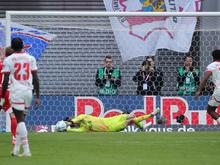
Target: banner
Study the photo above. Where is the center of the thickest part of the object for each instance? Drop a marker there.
(142, 36)
(35, 40)
(55, 108)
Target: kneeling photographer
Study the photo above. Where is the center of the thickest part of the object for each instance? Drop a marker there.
(149, 78)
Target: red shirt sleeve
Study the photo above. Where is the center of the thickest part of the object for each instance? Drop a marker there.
(1, 65)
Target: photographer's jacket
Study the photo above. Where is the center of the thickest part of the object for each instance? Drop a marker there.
(108, 81)
(149, 82)
(187, 82)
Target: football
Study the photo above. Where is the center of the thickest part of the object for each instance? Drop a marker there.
(61, 126)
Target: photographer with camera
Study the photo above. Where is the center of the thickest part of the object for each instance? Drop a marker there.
(188, 77)
(108, 78)
(149, 78)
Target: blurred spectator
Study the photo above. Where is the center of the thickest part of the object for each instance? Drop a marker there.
(188, 77)
(149, 78)
(108, 78)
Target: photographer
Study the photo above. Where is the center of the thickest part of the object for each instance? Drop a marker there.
(188, 77)
(108, 78)
(150, 79)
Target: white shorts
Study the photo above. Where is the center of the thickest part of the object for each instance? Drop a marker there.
(215, 98)
(21, 100)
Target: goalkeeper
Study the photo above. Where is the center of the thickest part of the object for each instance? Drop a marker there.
(88, 123)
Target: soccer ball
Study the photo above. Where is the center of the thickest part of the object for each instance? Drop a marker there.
(61, 126)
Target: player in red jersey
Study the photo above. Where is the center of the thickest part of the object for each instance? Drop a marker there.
(7, 106)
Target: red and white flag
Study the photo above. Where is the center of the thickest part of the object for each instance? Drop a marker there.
(142, 36)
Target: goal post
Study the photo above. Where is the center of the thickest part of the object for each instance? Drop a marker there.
(102, 13)
(80, 42)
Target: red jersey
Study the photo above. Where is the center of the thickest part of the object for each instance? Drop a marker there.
(7, 104)
(1, 65)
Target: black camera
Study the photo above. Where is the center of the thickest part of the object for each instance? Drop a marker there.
(180, 119)
(109, 76)
(109, 73)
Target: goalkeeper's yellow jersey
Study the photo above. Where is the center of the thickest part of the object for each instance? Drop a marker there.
(92, 123)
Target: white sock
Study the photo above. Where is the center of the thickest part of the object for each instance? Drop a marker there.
(17, 145)
(147, 125)
(23, 136)
(218, 121)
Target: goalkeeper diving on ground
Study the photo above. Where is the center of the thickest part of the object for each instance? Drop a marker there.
(88, 123)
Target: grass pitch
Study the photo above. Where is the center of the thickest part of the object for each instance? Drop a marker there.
(200, 148)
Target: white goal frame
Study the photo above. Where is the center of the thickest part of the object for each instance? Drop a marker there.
(9, 14)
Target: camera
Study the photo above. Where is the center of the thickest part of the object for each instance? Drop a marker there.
(180, 119)
(109, 76)
(149, 63)
(191, 69)
(146, 65)
(109, 73)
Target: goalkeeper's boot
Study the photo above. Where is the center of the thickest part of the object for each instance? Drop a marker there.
(155, 112)
(147, 125)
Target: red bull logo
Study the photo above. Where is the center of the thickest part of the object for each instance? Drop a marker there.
(171, 108)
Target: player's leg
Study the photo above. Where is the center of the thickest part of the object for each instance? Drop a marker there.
(119, 122)
(7, 107)
(139, 119)
(211, 111)
(24, 139)
(144, 117)
(20, 131)
(13, 126)
(213, 103)
(18, 103)
(21, 134)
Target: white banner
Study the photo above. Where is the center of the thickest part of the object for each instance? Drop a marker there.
(142, 36)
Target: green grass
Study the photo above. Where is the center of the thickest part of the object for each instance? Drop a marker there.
(201, 148)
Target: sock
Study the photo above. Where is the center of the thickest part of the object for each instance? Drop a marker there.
(137, 120)
(218, 121)
(23, 136)
(13, 126)
(142, 118)
(17, 145)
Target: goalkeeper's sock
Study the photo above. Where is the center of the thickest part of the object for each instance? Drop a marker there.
(142, 118)
(24, 139)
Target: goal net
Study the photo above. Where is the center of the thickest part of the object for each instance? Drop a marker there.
(69, 65)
